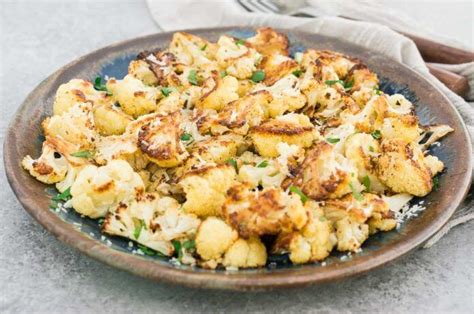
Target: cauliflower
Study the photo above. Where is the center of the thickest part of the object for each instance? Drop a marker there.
(350, 234)
(237, 59)
(220, 148)
(109, 119)
(134, 97)
(140, 69)
(120, 147)
(255, 213)
(55, 161)
(245, 254)
(269, 42)
(362, 149)
(434, 133)
(73, 92)
(192, 50)
(96, 190)
(240, 115)
(325, 174)
(206, 189)
(334, 62)
(403, 127)
(160, 140)
(362, 77)
(402, 167)
(76, 125)
(291, 128)
(286, 96)
(217, 92)
(276, 67)
(213, 238)
(370, 118)
(312, 243)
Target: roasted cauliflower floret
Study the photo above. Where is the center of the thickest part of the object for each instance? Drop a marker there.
(192, 50)
(73, 92)
(240, 115)
(219, 149)
(96, 190)
(134, 97)
(269, 42)
(292, 128)
(362, 149)
(160, 140)
(140, 69)
(217, 92)
(246, 253)
(237, 59)
(75, 125)
(362, 77)
(312, 243)
(330, 61)
(286, 96)
(402, 167)
(213, 238)
(276, 67)
(325, 174)
(403, 127)
(206, 188)
(255, 213)
(350, 234)
(110, 119)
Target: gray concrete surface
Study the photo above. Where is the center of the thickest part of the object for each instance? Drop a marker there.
(40, 274)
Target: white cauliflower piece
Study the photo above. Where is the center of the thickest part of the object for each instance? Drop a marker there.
(237, 59)
(73, 92)
(214, 237)
(246, 254)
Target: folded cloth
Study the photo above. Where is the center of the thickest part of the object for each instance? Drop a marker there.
(373, 30)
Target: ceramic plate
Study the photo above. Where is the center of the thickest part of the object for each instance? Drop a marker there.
(24, 137)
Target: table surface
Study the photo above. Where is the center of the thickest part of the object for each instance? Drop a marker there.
(40, 274)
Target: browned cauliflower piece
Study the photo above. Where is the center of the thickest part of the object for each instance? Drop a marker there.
(276, 67)
(325, 174)
(255, 213)
(110, 119)
(191, 49)
(328, 63)
(73, 92)
(362, 77)
(219, 149)
(312, 243)
(292, 128)
(140, 69)
(240, 115)
(246, 253)
(217, 92)
(269, 42)
(160, 140)
(237, 59)
(205, 189)
(402, 167)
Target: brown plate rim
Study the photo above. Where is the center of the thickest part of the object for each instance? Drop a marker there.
(214, 280)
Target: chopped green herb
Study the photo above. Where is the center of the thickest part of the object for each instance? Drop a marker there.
(347, 86)
(240, 42)
(233, 163)
(53, 205)
(223, 73)
(101, 221)
(101, 87)
(64, 196)
(356, 193)
(378, 92)
(333, 140)
(186, 137)
(262, 164)
(84, 154)
(138, 230)
(435, 183)
(178, 249)
(296, 190)
(297, 73)
(322, 219)
(204, 47)
(192, 77)
(189, 244)
(148, 251)
(371, 149)
(258, 76)
(366, 183)
(166, 91)
(376, 134)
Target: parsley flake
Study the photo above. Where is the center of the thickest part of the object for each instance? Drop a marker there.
(366, 183)
(233, 163)
(204, 47)
(258, 76)
(84, 154)
(138, 230)
(166, 91)
(333, 140)
(435, 183)
(192, 77)
(297, 73)
(356, 193)
(296, 190)
(347, 86)
(376, 134)
(148, 251)
(240, 42)
(64, 196)
(262, 164)
(186, 137)
(101, 87)
(223, 73)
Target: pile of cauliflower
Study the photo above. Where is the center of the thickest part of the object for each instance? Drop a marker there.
(220, 154)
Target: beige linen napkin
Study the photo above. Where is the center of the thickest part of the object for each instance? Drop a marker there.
(376, 35)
